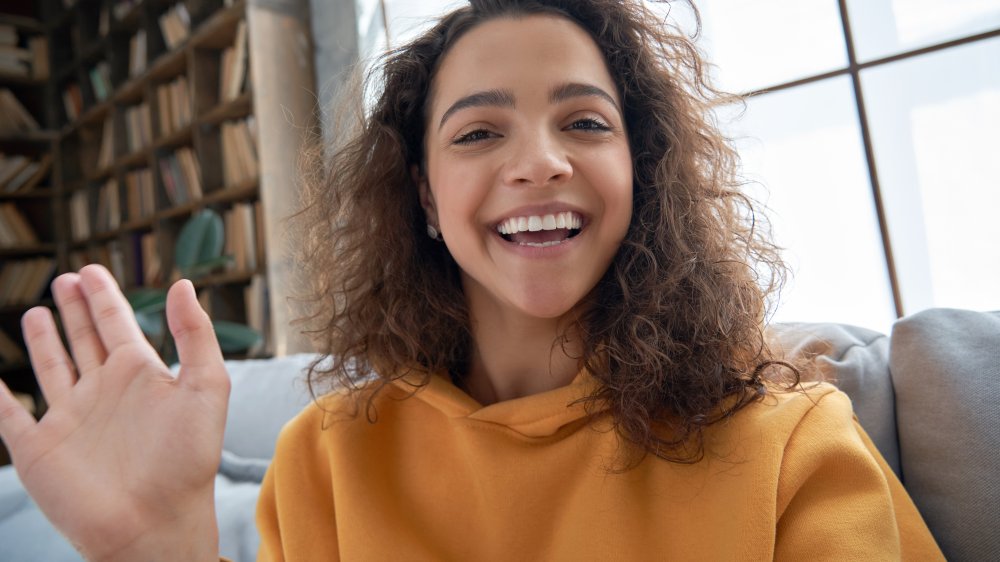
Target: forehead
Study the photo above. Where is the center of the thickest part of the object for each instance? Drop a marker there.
(527, 54)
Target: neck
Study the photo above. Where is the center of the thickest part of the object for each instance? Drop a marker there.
(516, 355)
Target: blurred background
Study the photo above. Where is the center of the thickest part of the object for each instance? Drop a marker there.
(870, 132)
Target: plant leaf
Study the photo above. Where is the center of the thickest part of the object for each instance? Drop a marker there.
(151, 323)
(204, 268)
(235, 337)
(148, 300)
(200, 240)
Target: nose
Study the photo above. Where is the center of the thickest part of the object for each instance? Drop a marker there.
(538, 161)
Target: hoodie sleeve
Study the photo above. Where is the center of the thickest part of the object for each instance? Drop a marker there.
(839, 500)
(295, 510)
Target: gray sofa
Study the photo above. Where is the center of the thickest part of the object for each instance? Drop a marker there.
(928, 396)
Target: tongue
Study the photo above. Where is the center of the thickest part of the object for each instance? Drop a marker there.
(540, 236)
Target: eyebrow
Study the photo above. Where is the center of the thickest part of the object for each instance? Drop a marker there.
(505, 98)
(576, 90)
(498, 98)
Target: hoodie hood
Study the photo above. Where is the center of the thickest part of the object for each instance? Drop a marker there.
(538, 415)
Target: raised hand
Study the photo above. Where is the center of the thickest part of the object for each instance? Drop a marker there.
(123, 461)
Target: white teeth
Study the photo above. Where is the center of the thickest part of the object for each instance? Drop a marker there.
(541, 244)
(535, 223)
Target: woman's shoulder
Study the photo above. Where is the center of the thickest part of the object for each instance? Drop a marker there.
(782, 413)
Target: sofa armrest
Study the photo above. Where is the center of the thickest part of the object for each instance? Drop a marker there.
(945, 367)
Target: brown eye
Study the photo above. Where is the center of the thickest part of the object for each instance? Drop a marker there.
(473, 136)
(589, 124)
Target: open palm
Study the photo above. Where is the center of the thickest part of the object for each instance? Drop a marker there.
(124, 459)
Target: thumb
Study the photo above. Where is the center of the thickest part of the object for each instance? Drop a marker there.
(197, 346)
(15, 421)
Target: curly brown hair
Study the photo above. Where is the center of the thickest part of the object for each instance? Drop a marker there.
(675, 332)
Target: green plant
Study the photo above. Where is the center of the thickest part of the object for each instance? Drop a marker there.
(198, 253)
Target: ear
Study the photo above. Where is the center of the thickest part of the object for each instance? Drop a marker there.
(426, 196)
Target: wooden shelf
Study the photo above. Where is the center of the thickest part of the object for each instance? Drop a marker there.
(36, 193)
(176, 139)
(227, 278)
(27, 251)
(22, 23)
(18, 79)
(133, 159)
(19, 309)
(42, 136)
(236, 108)
(244, 190)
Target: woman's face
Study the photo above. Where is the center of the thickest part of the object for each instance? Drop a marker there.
(529, 174)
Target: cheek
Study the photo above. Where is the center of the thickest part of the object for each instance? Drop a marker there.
(615, 178)
(458, 193)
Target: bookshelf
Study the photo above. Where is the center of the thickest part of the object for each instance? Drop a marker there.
(148, 115)
(28, 191)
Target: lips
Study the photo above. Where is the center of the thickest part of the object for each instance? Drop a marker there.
(542, 230)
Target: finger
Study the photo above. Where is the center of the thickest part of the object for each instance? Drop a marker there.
(197, 346)
(15, 421)
(84, 342)
(49, 359)
(109, 311)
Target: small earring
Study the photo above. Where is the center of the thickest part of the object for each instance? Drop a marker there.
(433, 232)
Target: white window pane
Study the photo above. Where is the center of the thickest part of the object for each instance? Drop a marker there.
(804, 147)
(886, 27)
(934, 122)
(408, 19)
(767, 42)
(371, 30)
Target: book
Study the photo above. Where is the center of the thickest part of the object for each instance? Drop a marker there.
(15, 61)
(121, 8)
(236, 75)
(25, 281)
(100, 80)
(181, 98)
(108, 207)
(10, 352)
(72, 101)
(191, 170)
(138, 127)
(29, 176)
(175, 24)
(8, 34)
(139, 194)
(11, 166)
(106, 154)
(150, 258)
(14, 118)
(164, 110)
(239, 153)
(137, 53)
(174, 105)
(79, 211)
(15, 230)
(174, 193)
(39, 47)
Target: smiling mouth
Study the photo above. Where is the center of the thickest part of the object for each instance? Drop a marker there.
(541, 230)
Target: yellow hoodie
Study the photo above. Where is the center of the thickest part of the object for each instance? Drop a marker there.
(440, 477)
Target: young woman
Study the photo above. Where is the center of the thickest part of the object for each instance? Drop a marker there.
(544, 297)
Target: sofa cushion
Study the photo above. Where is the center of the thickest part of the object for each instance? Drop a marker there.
(946, 371)
(266, 393)
(856, 360)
